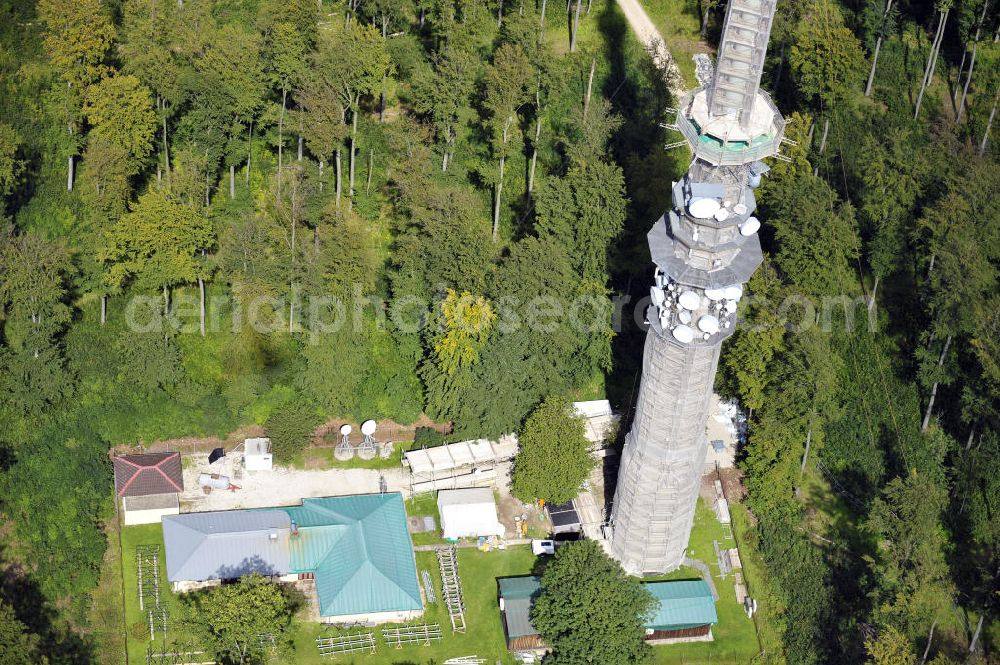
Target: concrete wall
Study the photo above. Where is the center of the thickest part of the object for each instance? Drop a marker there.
(374, 617)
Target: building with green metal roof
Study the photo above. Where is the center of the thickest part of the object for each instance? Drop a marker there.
(685, 612)
(357, 549)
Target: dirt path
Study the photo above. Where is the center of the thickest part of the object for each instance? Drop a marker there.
(654, 43)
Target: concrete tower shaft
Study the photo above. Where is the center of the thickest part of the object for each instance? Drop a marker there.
(705, 248)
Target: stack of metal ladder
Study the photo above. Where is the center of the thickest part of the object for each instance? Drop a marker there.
(451, 585)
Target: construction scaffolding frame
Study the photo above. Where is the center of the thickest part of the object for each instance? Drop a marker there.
(177, 657)
(157, 617)
(451, 586)
(147, 566)
(331, 646)
(428, 586)
(416, 634)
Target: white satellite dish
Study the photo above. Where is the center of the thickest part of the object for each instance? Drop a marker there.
(730, 306)
(721, 215)
(684, 316)
(657, 296)
(734, 292)
(708, 324)
(368, 427)
(703, 208)
(683, 334)
(715, 294)
(750, 227)
(740, 209)
(689, 300)
(346, 429)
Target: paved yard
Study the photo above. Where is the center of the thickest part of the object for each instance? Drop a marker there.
(283, 486)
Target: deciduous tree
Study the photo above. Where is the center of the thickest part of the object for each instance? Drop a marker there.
(590, 611)
(554, 457)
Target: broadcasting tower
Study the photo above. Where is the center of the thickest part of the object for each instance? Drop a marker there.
(705, 248)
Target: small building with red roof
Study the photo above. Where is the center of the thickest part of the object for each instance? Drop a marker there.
(148, 485)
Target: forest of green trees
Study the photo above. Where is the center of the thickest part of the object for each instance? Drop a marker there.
(227, 212)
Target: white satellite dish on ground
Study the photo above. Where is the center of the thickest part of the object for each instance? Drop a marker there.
(703, 208)
(344, 450)
(367, 449)
(689, 300)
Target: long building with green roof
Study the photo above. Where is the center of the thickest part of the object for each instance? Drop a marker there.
(356, 548)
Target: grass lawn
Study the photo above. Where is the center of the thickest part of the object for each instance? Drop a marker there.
(484, 635)
(135, 623)
(735, 636)
(677, 21)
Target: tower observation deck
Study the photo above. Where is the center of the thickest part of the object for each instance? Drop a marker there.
(705, 248)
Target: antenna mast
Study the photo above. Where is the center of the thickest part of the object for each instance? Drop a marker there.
(705, 248)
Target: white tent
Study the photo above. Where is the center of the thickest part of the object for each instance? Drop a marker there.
(469, 513)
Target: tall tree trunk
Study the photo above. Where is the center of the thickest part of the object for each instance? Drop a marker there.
(975, 636)
(934, 389)
(590, 86)
(201, 305)
(281, 126)
(822, 142)
(704, 18)
(166, 302)
(69, 175)
(500, 15)
(878, 47)
(381, 106)
(249, 153)
(499, 192)
(371, 165)
(972, 62)
(104, 308)
(871, 301)
(534, 145)
(300, 149)
(166, 149)
(496, 201)
(989, 123)
(958, 81)
(541, 20)
(931, 61)
(805, 454)
(232, 181)
(336, 164)
(576, 27)
(930, 639)
(354, 143)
